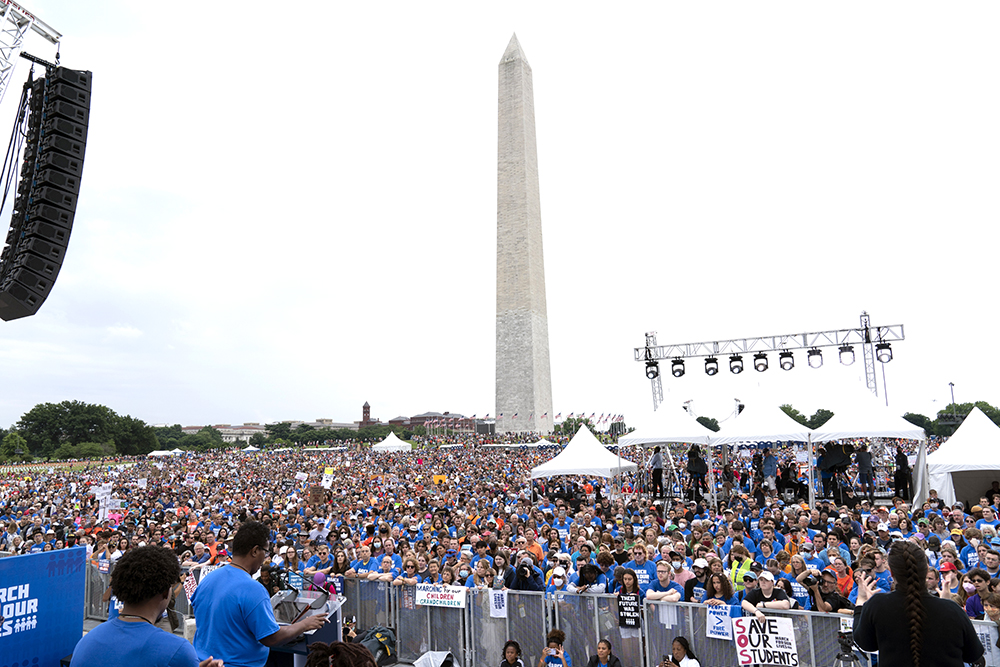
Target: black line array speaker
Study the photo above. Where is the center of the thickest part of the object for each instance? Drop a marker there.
(45, 205)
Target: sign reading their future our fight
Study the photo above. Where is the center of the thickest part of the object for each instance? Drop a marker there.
(41, 602)
(439, 595)
(767, 642)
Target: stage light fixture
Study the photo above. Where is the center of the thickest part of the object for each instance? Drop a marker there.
(652, 370)
(711, 366)
(736, 364)
(847, 354)
(760, 362)
(815, 358)
(786, 360)
(677, 367)
(883, 352)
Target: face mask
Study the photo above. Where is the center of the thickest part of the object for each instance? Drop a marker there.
(377, 545)
(343, 536)
(557, 581)
(969, 588)
(464, 573)
(677, 564)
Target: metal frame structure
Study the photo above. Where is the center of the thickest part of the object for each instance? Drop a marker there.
(865, 335)
(15, 23)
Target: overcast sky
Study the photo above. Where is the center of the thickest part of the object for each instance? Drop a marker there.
(289, 209)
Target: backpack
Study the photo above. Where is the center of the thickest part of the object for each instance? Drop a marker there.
(381, 642)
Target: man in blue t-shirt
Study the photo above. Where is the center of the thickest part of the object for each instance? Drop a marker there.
(233, 612)
(664, 587)
(645, 571)
(142, 579)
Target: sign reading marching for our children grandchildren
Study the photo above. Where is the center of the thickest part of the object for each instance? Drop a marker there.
(41, 602)
(435, 595)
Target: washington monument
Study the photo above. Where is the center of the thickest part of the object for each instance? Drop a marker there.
(524, 382)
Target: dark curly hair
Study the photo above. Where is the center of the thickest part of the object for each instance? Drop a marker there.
(251, 534)
(339, 654)
(908, 566)
(143, 573)
(555, 636)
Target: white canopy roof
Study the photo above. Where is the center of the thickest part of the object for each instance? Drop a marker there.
(966, 465)
(161, 452)
(176, 451)
(665, 426)
(866, 419)
(761, 424)
(250, 448)
(584, 455)
(392, 444)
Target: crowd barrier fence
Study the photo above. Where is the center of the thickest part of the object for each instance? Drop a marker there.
(476, 638)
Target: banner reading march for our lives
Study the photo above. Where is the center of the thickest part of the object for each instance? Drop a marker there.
(41, 602)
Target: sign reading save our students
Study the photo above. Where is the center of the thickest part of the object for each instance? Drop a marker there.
(439, 595)
(767, 642)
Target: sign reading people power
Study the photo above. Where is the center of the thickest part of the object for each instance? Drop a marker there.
(767, 642)
(41, 602)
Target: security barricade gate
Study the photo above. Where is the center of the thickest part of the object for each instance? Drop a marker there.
(525, 621)
(369, 602)
(422, 628)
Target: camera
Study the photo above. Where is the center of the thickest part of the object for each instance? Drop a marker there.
(523, 571)
(809, 581)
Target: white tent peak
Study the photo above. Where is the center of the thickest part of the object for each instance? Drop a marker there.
(584, 455)
(392, 444)
(761, 423)
(967, 464)
(668, 426)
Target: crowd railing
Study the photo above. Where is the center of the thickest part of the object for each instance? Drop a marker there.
(475, 636)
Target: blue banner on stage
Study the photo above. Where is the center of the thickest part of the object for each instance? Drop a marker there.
(41, 602)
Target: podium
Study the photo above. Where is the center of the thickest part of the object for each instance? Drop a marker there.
(293, 653)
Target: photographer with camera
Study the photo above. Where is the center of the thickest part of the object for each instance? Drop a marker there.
(822, 587)
(527, 577)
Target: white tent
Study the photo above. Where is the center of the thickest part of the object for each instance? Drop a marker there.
(668, 426)
(584, 455)
(176, 451)
(968, 463)
(160, 452)
(866, 419)
(392, 444)
(250, 448)
(761, 424)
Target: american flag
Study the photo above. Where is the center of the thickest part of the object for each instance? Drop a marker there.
(559, 416)
(487, 416)
(515, 415)
(190, 585)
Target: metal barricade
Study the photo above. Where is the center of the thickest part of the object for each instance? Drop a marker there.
(988, 634)
(526, 622)
(368, 601)
(420, 629)
(95, 584)
(662, 621)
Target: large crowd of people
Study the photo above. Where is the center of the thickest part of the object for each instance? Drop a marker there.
(470, 515)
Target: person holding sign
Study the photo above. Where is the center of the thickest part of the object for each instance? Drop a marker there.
(765, 596)
(909, 626)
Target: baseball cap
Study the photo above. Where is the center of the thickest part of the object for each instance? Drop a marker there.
(956, 531)
(750, 574)
(558, 572)
(700, 562)
(882, 526)
(766, 575)
(948, 567)
(829, 572)
(806, 546)
(282, 550)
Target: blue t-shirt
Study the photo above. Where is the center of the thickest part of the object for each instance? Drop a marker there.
(366, 568)
(119, 643)
(233, 614)
(645, 573)
(657, 587)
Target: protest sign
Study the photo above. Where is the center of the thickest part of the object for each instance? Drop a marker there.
(628, 610)
(498, 603)
(142, 482)
(767, 642)
(189, 479)
(327, 481)
(302, 476)
(432, 595)
(328, 471)
(317, 495)
(719, 624)
(440, 479)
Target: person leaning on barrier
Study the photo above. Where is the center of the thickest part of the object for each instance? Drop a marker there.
(766, 596)
(142, 580)
(588, 579)
(664, 588)
(526, 576)
(822, 587)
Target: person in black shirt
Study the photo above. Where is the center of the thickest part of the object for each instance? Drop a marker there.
(765, 596)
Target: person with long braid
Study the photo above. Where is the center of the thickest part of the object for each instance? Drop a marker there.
(930, 632)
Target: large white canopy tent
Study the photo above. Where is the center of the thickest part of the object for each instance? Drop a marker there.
(968, 463)
(250, 448)
(665, 427)
(866, 419)
(584, 455)
(392, 444)
(160, 452)
(760, 423)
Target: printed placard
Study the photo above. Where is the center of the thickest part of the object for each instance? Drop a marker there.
(433, 595)
(498, 603)
(719, 624)
(767, 642)
(628, 610)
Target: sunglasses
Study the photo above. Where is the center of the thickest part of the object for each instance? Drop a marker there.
(411, 567)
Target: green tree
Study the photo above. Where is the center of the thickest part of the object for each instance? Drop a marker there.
(48, 425)
(282, 430)
(11, 443)
(794, 414)
(91, 450)
(920, 420)
(65, 451)
(168, 437)
(711, 423)
(819, 418)
(258, 440)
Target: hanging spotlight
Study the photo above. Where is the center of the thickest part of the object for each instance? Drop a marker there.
(883, 352)
(711, 366)
(677, 367)
(786, 361)
(815, 358)
(760, 362)
(736, 364)
(652, 370)
(847, 354)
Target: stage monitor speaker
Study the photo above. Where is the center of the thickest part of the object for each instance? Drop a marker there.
(45, 206)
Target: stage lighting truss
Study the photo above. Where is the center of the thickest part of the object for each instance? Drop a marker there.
(711, 366)
(883, 352)
(677, 368)
(760, 362)
(847, 354)
(814, 357)
(736, 364)
(786, 360)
